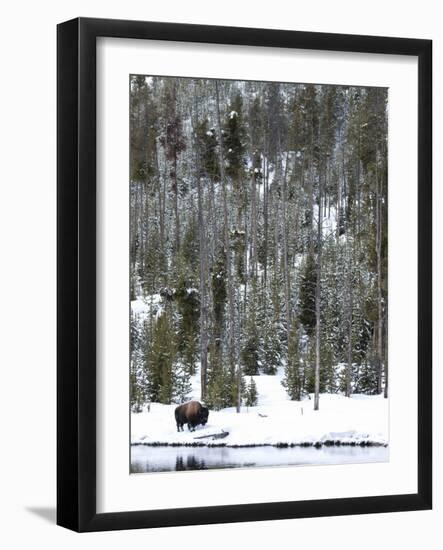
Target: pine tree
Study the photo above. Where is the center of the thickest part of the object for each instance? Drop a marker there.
(207, 143)
(137, 375)
(234, 138)
(188, 305)
(181, 383)
(307, 295)
(234, 365)
(273, 331)
(219, 388)
(190, 249)
(250, 352)
(161, 362)
(251, 393)
(272, 353)
(293, 380)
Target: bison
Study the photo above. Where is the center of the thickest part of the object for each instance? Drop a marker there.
(192, 414)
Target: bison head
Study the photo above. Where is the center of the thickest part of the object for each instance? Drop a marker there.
(204, 413)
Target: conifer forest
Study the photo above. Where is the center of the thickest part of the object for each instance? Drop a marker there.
(258, 241)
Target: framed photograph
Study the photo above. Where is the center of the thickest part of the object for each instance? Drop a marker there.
(244, 274)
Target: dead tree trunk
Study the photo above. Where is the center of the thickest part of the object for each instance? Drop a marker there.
(378, 224)
(253, 226)
(348, 389)
(227, 245)
(203, 270)
(285, 247)
(350, 293)
(318, 302)
(265, 216)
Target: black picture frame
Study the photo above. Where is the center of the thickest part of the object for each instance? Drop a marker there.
(76, 279)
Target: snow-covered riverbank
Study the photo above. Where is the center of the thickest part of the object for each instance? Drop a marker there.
(359, 420)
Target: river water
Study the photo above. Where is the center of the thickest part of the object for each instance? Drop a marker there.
(145, 458)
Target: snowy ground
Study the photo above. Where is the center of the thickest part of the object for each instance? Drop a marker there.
(274, 421)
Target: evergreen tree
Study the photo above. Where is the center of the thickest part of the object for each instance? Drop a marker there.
(207, 143)
(181, 383)
(251, 393)
(168, 381)
(137, 375)
(273, 331)
(293, 380)
(188, 304)
(250, 352)
(219, 381)
(307, 295)
(234, 138)
(190, 249)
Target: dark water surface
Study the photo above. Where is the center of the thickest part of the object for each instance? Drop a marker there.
(165, 459)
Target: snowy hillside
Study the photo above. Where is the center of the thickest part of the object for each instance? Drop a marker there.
(274, 421)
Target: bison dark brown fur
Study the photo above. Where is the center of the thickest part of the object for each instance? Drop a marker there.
(192, 414)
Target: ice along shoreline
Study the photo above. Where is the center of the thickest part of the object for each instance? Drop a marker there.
(317, 444)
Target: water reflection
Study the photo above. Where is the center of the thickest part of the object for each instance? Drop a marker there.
(189, 463)
(165, 459)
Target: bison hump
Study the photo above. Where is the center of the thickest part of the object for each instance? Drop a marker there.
(189, 409)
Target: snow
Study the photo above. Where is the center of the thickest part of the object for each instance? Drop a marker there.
(141, 307)
(329, 221)
(233, 114)
(275, 420)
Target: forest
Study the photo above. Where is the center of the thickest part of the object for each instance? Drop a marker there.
(258, 239)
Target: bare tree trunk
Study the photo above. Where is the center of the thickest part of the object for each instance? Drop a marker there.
(385, 358)
(227, 245)
(350, 293)
(378, 222)
(348, 390)
(175, 181)
(359, 189)
(285, 247)
(318, 302)
(265, 215)
(275, 211)
(203, 299)
(254, 227)
(213, 218)
(311, 191)
(245, 289)
(177, 215)
(339, 190)
(203, 270)
(162, 206)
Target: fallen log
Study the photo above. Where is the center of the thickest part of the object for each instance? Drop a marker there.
(220, 435)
